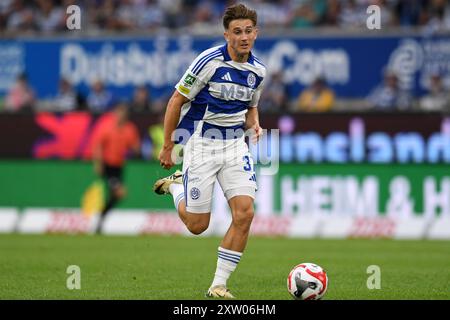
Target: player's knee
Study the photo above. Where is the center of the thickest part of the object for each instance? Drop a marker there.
(197, 224)
(197, 227)
(243, 217)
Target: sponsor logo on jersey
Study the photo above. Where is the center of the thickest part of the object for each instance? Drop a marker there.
(189, 80)
(228, 92)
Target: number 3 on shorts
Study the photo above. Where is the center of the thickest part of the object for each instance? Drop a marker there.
(248, 165)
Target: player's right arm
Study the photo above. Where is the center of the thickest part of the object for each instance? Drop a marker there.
(171, 119)
(193, 80)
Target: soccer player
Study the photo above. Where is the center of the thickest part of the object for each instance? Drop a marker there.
(215, 101)
(110, 150)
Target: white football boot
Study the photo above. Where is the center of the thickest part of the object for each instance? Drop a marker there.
(162, 185)
(219, 292)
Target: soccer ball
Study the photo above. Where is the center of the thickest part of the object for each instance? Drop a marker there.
(307, 281)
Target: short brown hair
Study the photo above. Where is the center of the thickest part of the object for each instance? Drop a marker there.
(238, 11)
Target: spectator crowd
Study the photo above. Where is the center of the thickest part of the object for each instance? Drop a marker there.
(19, 17)
(388, 96)
(202, 15)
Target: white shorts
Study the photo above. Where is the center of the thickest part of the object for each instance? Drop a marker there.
(205, 160)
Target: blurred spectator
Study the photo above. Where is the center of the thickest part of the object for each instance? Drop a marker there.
(438, 99)
(67, 98)
(20, 17)
(159, 105)
(99, 99)
(317, 98)
(272, 13)
(436, 17)
(156, 134)
(4, 11)
(176, 13)
(48, 17)
(352, 14)
(125, 15)
(102, 14)
(21, 96)
(408, 12)
(388, 96)
(308, 13)
(141, 100)
(150, 15)
(202, 15)
(5, 5)
(333, 12)
(274, 97)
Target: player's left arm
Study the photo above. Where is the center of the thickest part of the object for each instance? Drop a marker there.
(252, 123)
(252, 116)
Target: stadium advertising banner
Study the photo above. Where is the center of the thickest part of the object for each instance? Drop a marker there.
(362, 190)
(159, 62)
(327, 200)
(300, 138)
(135, 222)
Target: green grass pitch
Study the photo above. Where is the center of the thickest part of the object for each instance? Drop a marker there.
(167, 267)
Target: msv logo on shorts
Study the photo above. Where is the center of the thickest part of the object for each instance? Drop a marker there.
(195, 193)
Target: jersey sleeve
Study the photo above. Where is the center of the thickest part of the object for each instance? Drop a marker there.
(197, 75)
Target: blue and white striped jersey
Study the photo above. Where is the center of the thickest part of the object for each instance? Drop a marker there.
(220, 90)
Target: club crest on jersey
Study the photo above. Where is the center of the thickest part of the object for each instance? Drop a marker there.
(251, 80)
(195, 193)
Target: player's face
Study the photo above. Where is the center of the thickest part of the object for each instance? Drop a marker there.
(241, 35)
